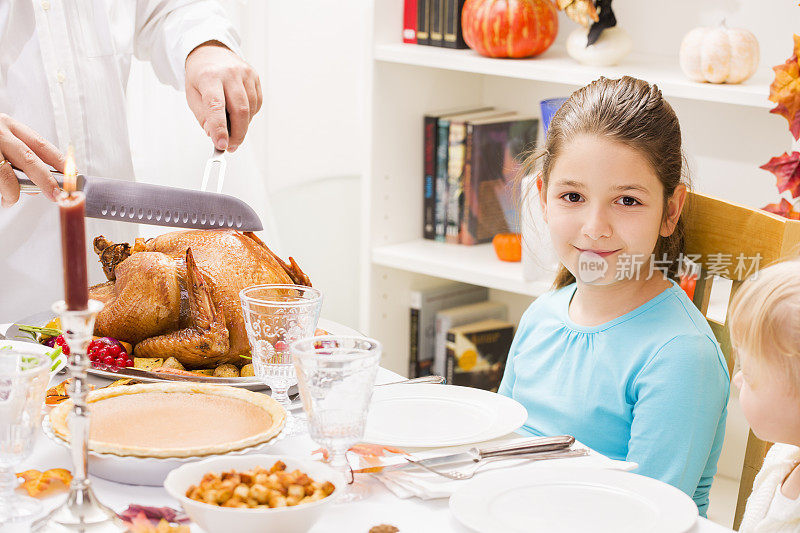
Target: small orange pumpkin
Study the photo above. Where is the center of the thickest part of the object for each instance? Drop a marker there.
(509, 28)
(508, 246)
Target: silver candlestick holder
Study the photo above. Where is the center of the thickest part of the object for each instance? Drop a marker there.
(81, 512)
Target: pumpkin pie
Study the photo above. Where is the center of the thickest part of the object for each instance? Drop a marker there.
(175, 419)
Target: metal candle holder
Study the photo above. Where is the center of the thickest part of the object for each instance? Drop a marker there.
(81, 512)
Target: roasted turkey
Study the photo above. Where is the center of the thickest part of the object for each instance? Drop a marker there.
(178, 294)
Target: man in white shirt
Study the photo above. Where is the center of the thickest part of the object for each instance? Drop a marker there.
(64, 66)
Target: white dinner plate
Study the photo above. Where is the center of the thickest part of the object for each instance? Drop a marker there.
(426, 415)
(562, 499)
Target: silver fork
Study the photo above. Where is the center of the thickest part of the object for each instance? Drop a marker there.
(458, 475)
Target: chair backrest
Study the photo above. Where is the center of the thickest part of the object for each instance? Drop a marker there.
(728, 240)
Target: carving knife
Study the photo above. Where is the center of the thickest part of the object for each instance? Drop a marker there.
(157, 205)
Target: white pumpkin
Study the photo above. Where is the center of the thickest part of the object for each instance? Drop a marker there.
(612, 45)
(719, 55)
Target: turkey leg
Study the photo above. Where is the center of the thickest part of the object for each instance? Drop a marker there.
(205, 342)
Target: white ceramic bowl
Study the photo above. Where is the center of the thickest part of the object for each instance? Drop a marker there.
(214, 519)
(58, 363)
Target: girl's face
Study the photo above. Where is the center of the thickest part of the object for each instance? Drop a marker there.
(768, 402)
(604, 206)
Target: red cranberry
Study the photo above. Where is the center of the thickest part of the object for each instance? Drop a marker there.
(114, 350)
(63, 343)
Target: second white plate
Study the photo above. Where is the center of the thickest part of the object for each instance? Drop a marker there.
(568, 499)
(433, 416)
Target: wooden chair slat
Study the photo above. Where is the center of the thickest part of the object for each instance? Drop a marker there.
(716, 227)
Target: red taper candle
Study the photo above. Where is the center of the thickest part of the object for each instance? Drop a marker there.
(72, 208)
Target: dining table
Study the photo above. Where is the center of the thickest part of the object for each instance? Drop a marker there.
(381, 506)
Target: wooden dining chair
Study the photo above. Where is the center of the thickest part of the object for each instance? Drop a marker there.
(718, 231)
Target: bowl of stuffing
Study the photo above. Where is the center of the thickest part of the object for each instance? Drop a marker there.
(254, 493)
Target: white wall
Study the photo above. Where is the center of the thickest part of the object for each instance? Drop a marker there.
(301, 159)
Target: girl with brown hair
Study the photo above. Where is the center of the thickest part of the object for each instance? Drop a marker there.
(616, 354)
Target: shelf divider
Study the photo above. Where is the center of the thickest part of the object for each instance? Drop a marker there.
(477, 265)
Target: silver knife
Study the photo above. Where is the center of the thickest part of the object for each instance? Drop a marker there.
(131, 372)
(539, 444)
(158, 205)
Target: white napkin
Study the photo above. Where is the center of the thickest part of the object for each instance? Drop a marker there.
(427, 485)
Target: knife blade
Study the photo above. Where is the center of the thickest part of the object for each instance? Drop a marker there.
(137, 373)
(539, 444)
(158, 205)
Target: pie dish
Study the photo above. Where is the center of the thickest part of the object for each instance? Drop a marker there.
(175, 419)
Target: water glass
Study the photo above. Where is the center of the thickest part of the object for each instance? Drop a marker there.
(336, 375)
(275, 316)
(23, 381)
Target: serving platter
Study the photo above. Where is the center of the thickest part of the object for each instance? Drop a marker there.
(250, 382)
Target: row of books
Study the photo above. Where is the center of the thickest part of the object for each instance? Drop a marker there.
(433, 23)
(455, 331)
(471, 157)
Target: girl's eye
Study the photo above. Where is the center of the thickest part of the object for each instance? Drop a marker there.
(629, 201)
(571, 197)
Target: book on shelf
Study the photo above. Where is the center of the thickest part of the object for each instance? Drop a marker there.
(436, 24)
(477, 353)
(410, 21)
(423, 18)
(456, 164)
(429, 150)
(458, 316)
(453, 37)
(495, 148)
(423, 306)
(442, 166)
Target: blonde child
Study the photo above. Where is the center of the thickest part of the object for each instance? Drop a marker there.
(765, 331)
(619, 357)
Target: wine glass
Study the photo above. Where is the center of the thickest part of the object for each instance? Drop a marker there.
(336, 375)
(274, 317)
(23, 381)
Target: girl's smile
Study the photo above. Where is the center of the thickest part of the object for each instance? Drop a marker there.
(604, 198)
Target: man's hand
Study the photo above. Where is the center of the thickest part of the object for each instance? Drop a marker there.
(217, 79)
(29, 152)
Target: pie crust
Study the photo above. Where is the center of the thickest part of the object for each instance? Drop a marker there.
(175, 419)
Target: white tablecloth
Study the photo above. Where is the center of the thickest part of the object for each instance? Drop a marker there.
(381, 507)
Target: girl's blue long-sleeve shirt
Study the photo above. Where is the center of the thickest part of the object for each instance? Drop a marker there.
(650, 386)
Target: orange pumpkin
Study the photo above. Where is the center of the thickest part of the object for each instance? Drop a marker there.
(508, 246)
(509, 28)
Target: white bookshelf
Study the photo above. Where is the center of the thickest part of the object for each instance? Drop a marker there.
(555, 66)
(476, 265)
(727, 133)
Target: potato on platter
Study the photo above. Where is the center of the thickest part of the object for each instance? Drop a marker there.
(173, 363)
(204, 371)
(226, 371)
(147, 363)
(247, 370)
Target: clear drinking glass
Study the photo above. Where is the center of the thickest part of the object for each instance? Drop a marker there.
(336, 375)
(275, 316)
(23, 381)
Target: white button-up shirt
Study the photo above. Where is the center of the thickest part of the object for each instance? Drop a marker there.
(64, 66)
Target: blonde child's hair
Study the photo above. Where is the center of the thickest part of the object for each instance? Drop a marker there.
(764, 319)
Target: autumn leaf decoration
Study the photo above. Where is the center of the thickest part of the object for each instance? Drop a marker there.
(785, 91)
